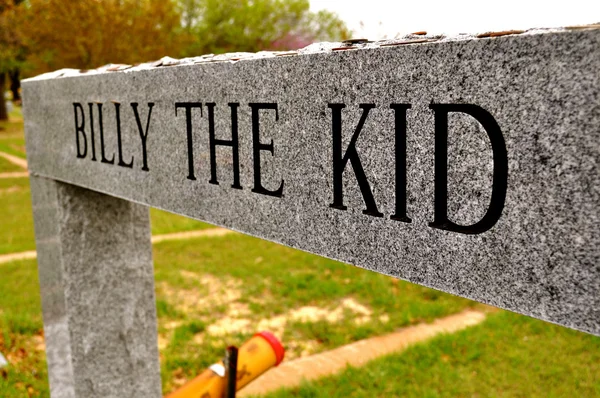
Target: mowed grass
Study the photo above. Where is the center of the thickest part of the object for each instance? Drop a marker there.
(21, 331)
(7, 167)
(284, 279)
(257, 285)
(13, 144)
(508, 355)
(163, 222)
(12, 139)
(16, 219)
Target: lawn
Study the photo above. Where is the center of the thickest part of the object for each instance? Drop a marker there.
(16, 232)
(12, 140)
(7, 167)
(213, 292)
(312, 303)
(508, 355)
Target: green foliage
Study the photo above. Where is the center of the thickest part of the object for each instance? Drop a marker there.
(88, 33)
(254, 25)
(45, 35)
(164, 222)
(12, 51)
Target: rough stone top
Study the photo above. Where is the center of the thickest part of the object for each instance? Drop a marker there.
(323, 47)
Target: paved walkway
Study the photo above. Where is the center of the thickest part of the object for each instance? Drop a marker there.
(208, 233)
(14, 160)
(14, 174)
(291, 374)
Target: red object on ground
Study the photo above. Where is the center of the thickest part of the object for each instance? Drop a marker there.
(275, 344)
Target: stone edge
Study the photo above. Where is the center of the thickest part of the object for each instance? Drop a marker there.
(322, 47)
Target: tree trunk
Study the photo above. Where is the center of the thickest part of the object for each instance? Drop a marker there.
(15, 85)
(3, 110)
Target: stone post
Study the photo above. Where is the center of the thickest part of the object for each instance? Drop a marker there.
(97, 288)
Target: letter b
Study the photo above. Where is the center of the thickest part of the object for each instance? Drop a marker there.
(79, 130)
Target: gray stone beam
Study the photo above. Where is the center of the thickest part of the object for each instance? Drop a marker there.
(469, 165)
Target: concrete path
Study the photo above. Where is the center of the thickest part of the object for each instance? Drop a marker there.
(290, 374)
(208, 233)
(211, 232)
(7, 258)
(14, 174)
(14, 160)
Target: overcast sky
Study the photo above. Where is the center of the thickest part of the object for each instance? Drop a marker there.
(377, 19)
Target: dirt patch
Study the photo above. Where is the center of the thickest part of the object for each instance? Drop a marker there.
(359, 312)
(209, 292)
(172, 325)
(238, 318)
(216, 301)
(7, 258)
(300, 348)
(227, 325)
(163, 342)
(203, 233)
(17, 174)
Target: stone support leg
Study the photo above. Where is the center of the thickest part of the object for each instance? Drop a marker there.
(97, 288)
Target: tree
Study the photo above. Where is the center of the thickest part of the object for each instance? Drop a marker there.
(11, 48)
(87, 34)
(254, 25)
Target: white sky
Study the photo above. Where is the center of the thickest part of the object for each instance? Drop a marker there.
(377, 19)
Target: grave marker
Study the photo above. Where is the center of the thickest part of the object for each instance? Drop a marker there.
(469, 166)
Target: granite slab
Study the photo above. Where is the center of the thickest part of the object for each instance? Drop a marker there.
(469, 165)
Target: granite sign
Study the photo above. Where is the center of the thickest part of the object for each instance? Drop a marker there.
(467, 165)
(85, 132)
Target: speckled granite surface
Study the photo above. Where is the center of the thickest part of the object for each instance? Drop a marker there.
(540, 88)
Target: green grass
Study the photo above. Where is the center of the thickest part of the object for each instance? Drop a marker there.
(294, 278)
(21, 329)
(12, 139)
(12, 146)
(164, 222)
(6, 166)
(509, 355)
(12, 129)
(16, 233)
(273, 280)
